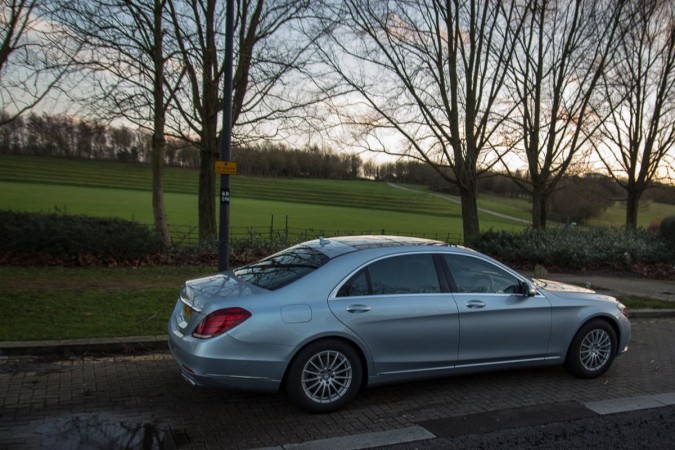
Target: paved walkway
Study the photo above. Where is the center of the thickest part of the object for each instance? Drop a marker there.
(622, 286)
(91, 400)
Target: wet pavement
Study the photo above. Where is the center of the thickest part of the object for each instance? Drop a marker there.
(139, 400)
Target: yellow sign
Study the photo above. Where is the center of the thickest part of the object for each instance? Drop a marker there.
(226, 167)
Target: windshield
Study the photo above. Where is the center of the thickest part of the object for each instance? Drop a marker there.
(282, 268)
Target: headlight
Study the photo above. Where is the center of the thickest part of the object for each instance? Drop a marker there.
(623, 309)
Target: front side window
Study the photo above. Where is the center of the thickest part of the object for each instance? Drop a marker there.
(282, 268)
(475, 275)
(406, 274)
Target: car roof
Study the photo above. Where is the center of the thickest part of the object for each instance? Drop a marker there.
(336, 246)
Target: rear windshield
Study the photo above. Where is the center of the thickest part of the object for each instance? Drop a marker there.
(282, 268)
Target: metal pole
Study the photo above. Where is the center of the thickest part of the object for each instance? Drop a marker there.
(226, 143)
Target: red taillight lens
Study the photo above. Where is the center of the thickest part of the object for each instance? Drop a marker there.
(218, 322)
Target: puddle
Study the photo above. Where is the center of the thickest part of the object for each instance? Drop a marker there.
(98, 433)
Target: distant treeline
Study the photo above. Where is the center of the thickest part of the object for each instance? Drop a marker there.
(70, 137)
(577, 198)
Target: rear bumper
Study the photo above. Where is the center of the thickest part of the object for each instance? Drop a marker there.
(224, 362)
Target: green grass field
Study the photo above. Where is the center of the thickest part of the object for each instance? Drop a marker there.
(649, 212)
(327, 206)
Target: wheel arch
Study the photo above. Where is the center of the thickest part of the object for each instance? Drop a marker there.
(355, 346)
(611, 321)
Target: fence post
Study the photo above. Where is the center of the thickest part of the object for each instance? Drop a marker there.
(272, 228)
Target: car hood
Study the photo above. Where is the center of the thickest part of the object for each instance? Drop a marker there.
(201, 292)
(560, 288)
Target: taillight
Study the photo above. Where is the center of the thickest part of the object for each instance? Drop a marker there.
(218, 322)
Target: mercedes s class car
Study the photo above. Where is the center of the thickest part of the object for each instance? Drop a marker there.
(327, 317)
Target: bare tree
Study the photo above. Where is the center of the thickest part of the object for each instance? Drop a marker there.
(268, 52)
(124, 45)
(562, 53)
(424, 80)
(639, 93)
(31, 62)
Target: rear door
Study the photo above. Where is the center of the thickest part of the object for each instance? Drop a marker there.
(399, 308)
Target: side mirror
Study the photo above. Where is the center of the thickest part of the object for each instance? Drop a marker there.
(527, 290)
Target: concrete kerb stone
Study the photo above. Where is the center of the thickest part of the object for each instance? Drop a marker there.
(650, 313)
(95, 345)
(150, 343)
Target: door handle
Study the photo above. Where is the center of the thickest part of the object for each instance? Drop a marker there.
(358, 308)
(475, 304)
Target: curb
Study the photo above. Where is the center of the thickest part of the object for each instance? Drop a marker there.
(96, 345)
(649, 313)
(150, 343)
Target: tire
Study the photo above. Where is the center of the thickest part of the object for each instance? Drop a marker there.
(324, 376)
(592, 350)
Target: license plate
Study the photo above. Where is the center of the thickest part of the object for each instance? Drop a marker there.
(187, 312)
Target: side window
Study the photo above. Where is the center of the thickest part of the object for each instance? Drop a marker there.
(356, 286)
(474, 275)
(406, 274)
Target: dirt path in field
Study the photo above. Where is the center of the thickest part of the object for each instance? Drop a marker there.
(455, 200)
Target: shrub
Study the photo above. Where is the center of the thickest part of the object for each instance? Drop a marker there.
(243, 250)
(576, 248)
(74, 239)
(668, 228)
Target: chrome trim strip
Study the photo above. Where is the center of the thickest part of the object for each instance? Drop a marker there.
(462, 366)
(187, 303)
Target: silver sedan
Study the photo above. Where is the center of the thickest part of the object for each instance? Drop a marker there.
(329, 316)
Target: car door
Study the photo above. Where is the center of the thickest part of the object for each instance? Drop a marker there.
(497, 323)
(398, 307)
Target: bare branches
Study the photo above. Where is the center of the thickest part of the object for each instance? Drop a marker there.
(561, 55)
(639, 101)
(32, 62)
(431, 73)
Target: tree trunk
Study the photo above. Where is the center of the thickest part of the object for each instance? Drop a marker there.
(632, 204)
(207, 188)
(209, 121)
(471, 226)
(158, 139)
(539, 199)
(157, 160)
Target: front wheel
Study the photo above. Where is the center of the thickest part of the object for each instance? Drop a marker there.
(324, 376)
(592, 350)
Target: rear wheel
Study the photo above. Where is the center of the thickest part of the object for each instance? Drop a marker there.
(324, 376)
(592, 350)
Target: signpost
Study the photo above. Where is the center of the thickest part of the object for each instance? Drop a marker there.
(225, 167)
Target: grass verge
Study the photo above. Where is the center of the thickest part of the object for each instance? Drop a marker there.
(645, 303)
(47, 303)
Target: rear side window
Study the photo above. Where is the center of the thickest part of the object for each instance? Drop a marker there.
(405, 274)
(282, 268)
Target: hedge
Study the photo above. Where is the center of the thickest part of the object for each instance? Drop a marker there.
(576, 248)
(74, 239)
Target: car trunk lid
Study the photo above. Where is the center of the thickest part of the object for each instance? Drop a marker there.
(198, 294)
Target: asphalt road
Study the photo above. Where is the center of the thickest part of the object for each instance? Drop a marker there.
(644, 429)
(130, 400)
